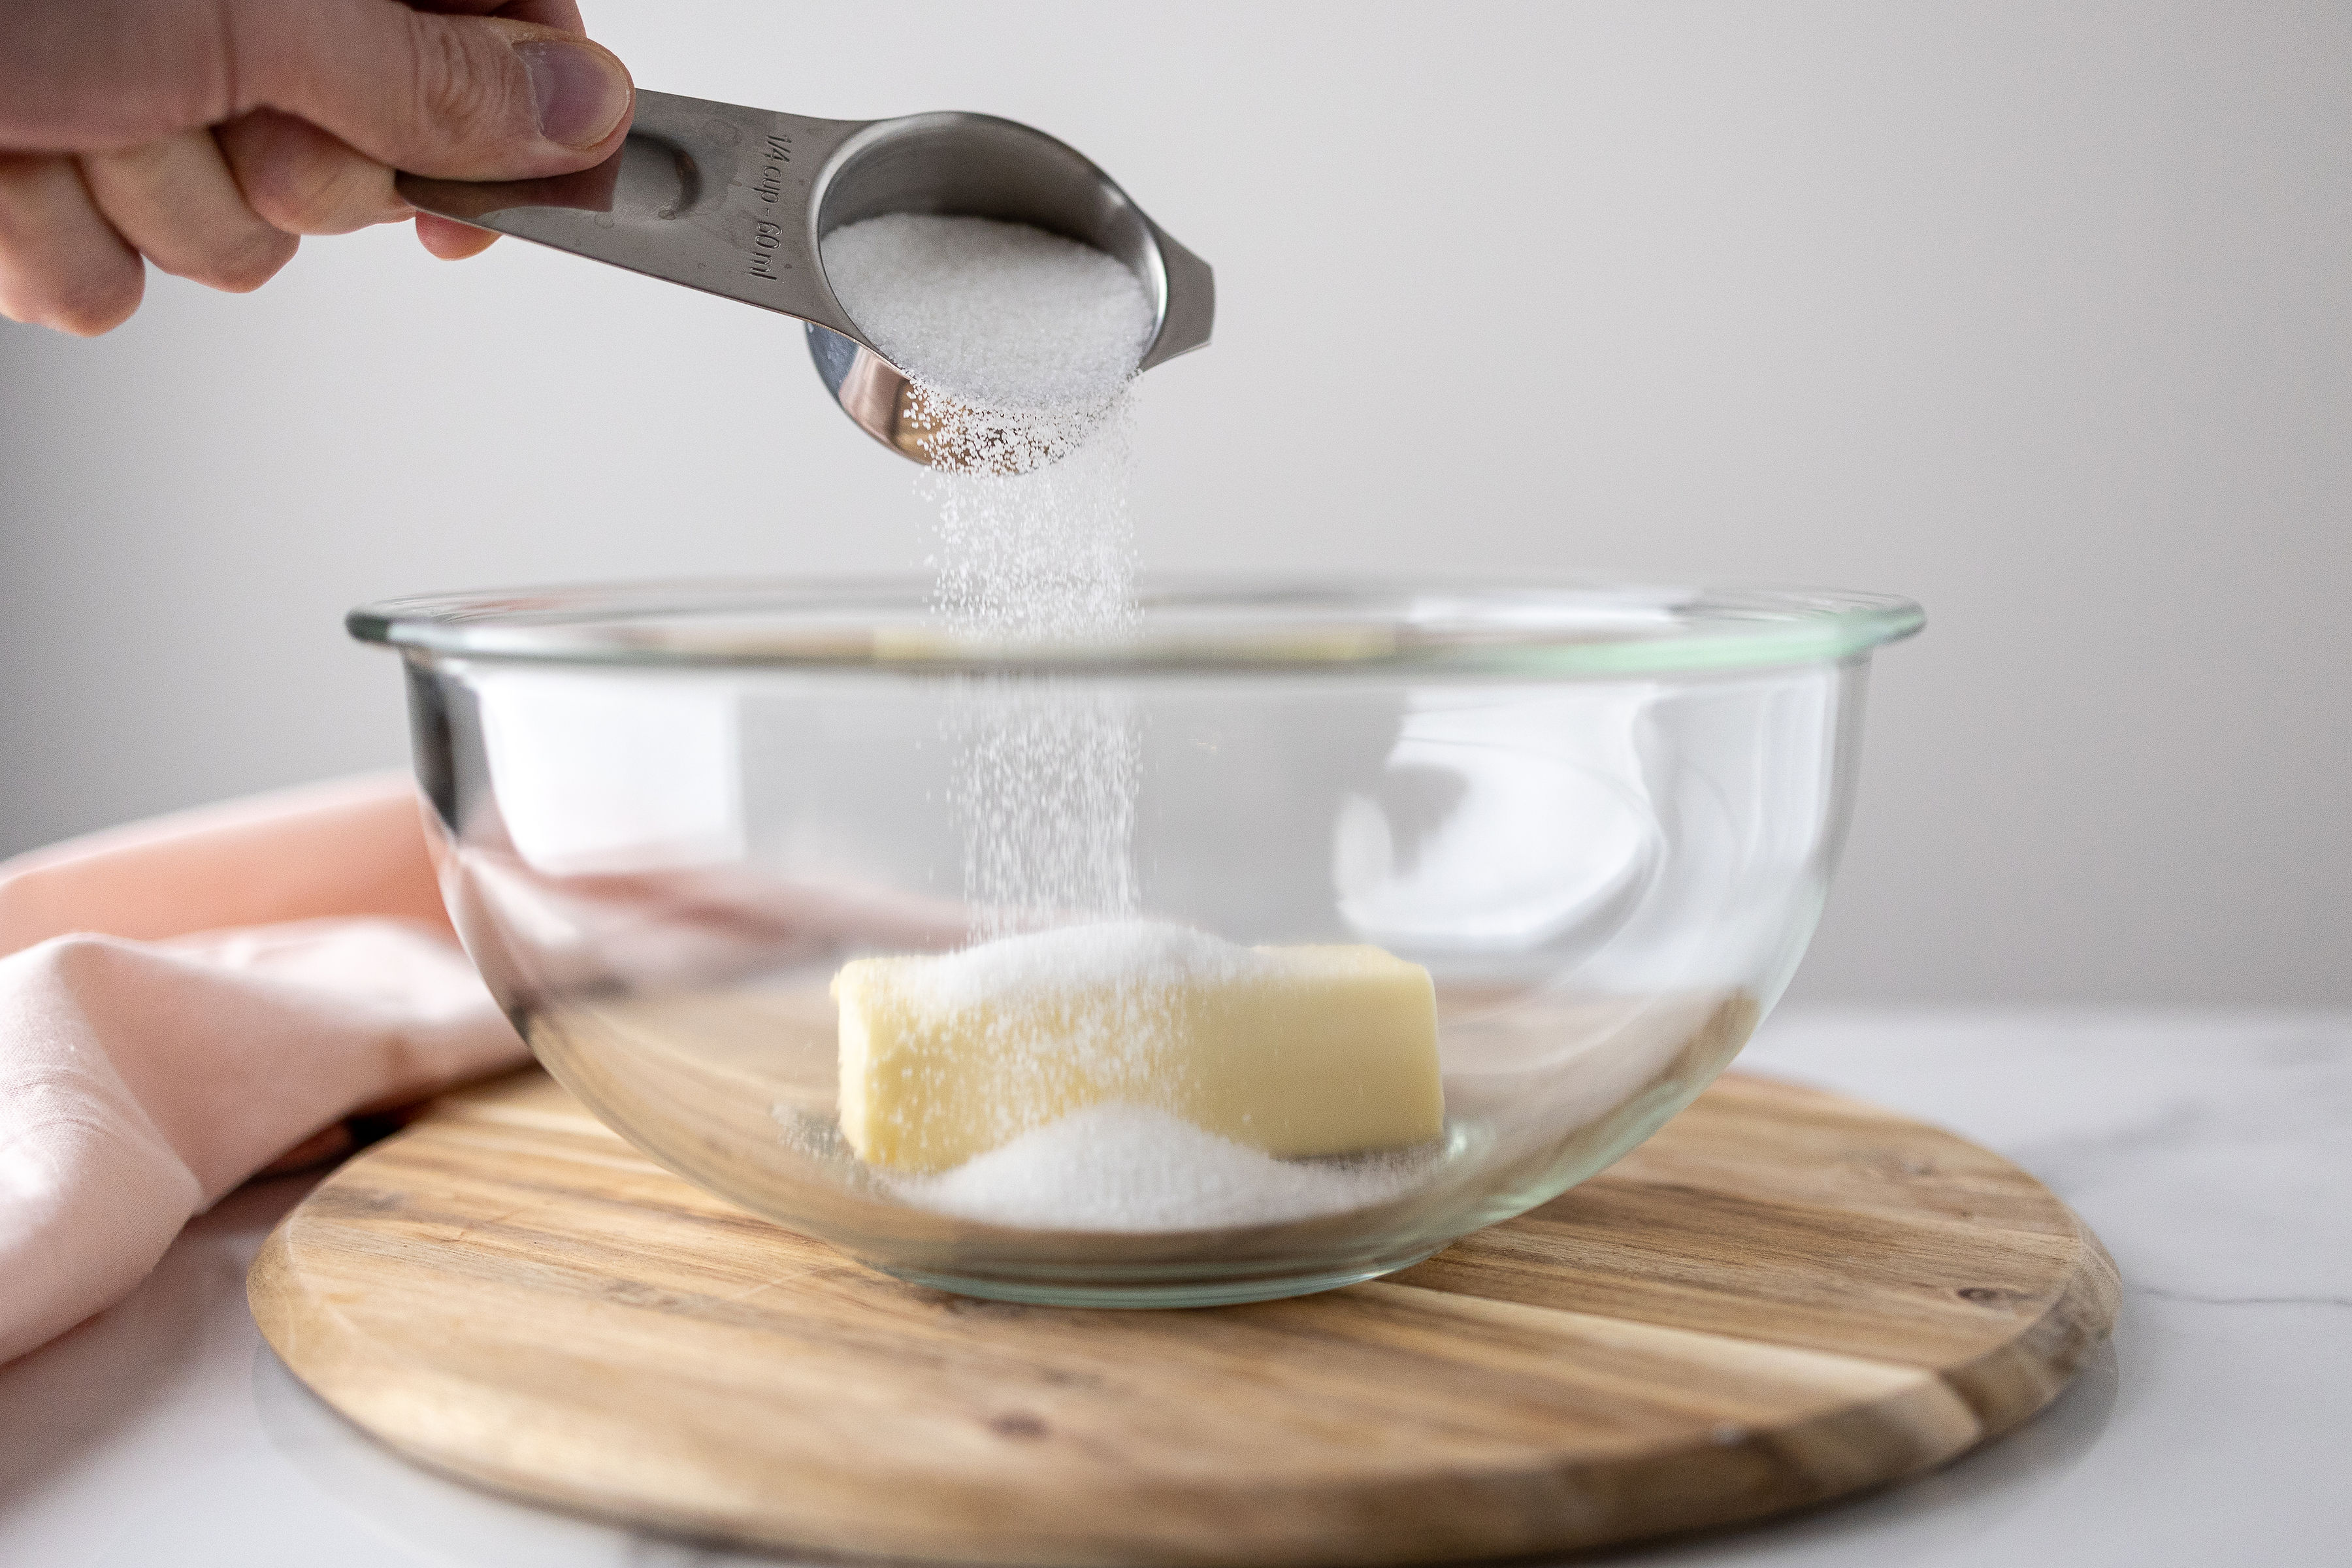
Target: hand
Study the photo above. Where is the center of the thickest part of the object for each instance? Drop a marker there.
(206, 135)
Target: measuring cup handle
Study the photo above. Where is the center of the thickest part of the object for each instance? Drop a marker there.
(713, 195)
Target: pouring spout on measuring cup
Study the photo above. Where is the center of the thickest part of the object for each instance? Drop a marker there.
(735, 202)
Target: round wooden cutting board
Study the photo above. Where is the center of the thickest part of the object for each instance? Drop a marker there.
(1782, 1297)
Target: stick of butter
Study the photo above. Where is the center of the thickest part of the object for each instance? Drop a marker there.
(1293, 1050)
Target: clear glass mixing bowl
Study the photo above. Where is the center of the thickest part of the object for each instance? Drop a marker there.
(1602, 819)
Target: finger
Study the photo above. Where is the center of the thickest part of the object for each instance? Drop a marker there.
(176, 202)
(455, 97)
(451, 240)
(79, 74)
(83, 74)
(561, 15)
(61, 264)
(304, 181)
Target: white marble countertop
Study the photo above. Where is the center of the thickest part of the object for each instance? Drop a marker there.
(2212, 1153)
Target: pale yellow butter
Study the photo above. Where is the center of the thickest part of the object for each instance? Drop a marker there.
(1293, 1050)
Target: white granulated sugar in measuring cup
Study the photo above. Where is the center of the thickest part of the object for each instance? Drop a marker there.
(997, 314)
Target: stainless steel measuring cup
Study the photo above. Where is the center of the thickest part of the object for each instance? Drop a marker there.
(735, 201)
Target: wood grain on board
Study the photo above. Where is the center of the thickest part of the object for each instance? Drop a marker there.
(1782, 1297)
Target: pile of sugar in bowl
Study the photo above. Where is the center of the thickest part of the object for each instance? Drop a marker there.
(1115, 1166)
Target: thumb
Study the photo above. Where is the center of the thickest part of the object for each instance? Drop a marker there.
(458, 97)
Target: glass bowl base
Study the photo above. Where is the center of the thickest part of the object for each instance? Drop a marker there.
(1212, 1291)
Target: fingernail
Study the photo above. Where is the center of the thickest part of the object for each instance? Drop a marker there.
(581, 90)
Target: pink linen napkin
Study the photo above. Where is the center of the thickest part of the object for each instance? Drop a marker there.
(184, 1000)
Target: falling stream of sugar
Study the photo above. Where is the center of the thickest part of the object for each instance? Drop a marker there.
(1043, 793)
(1021, 347)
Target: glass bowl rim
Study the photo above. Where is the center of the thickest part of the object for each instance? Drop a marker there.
(1539, 626)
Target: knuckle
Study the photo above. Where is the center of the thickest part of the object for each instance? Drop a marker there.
(60, 265)
(234, 256)
(299, 180)
(89, 312)
(92, 301)
(292, 194)
(454, 92)
(250, 264)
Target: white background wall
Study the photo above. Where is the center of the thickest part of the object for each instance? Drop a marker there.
(2040, 314)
